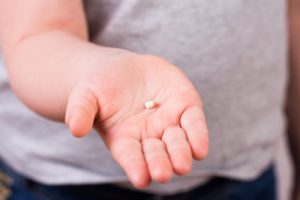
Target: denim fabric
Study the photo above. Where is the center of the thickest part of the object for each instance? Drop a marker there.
(217, 189)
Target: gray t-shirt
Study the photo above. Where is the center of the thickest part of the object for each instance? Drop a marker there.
(234, 52)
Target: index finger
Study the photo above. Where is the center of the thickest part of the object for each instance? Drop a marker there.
(128, 153)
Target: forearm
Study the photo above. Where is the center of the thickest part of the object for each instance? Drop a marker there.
(46, 51)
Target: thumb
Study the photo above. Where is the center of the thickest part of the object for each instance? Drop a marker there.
(82, 108)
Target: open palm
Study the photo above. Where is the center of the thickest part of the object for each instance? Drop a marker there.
(147, 143)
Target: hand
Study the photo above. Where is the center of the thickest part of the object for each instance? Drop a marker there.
(147, 143)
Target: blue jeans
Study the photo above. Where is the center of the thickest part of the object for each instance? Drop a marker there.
(217, 189)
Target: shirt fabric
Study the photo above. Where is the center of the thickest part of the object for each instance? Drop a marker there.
(233, 51)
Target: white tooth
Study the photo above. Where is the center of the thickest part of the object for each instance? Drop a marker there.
(150, 104)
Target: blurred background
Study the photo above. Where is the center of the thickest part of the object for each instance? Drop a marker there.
(284, 170)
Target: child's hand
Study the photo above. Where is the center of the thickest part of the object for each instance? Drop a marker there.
(148, 143)
(50, 61)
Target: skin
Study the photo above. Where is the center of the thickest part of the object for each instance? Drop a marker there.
(293, 108)
(59, 74)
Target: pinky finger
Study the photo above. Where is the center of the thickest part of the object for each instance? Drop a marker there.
(194, 124)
